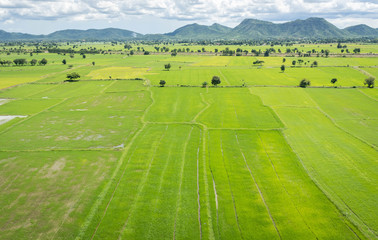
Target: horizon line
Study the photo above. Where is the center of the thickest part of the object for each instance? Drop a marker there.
(274, 22)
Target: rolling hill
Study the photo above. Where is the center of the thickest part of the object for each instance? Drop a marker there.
(196, 31)
(75, 35)
(94, 34)
(311, 28)
(362, 30)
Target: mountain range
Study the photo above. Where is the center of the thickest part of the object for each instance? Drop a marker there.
(248, 29)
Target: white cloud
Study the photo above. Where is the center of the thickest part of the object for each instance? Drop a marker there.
(9, 21)
(343, 23)
(203, 11)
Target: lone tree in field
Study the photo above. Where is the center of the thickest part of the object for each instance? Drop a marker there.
(333, 81)
(216, 80)
(167, 66)
(283, 68)
(369, 82)
(204, 84)
(258, 62)
(162, 83)
(304, 83)
(64, 61)
(72, 77)
(43, 61)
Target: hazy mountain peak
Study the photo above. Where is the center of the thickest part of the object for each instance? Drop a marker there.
(362, 29)
(255, 21)
(249, 28)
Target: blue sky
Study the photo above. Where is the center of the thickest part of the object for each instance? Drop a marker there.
(161, 16)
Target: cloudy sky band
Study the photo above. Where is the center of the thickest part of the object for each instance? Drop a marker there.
(160, 16)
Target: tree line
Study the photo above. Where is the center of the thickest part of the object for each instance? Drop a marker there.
(23, 62)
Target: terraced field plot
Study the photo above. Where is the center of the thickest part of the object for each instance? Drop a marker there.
(260, 76)
(255, 76)
(372, 71)
(322, 62)
(186, 76)
(123, 159)
(18, 75)
(237, 108)
(339, 156)
(262, 193)
(353, 113)
(213, 61)
(339, 153)
(371, 93)
(67, 90)
(126, 86)
(47, 196)
(25, 90)
(322, 76)
(118, 72)
(175, 105)
(157, 188)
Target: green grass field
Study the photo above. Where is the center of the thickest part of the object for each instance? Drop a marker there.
(126, 159)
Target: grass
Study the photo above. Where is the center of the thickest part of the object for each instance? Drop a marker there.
(265, 179)
(187, 76)
(24, 90)
(278, 97)
(11, 76)
(175, 105)
(256, 76)
(118, 72)
(76, 122)
(59, 77)
(237, 108)
(322, 76)
(322, 62)
(71, 130)
(234, 218)
(74, 89)
(343, 166)
(353, 111)
(372, 93)
(110, 102)
(126, 86)
(27, 106)
(48, 197)
(340, 163)
(213, 61)
(372, 71)
(145, 196)
(125, 159)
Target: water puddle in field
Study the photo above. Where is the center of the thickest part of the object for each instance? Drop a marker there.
(80, 110)
(4, 119)
(2, 101)
(120, 146)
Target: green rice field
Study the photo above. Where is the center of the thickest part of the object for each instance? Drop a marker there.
(116, 156)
